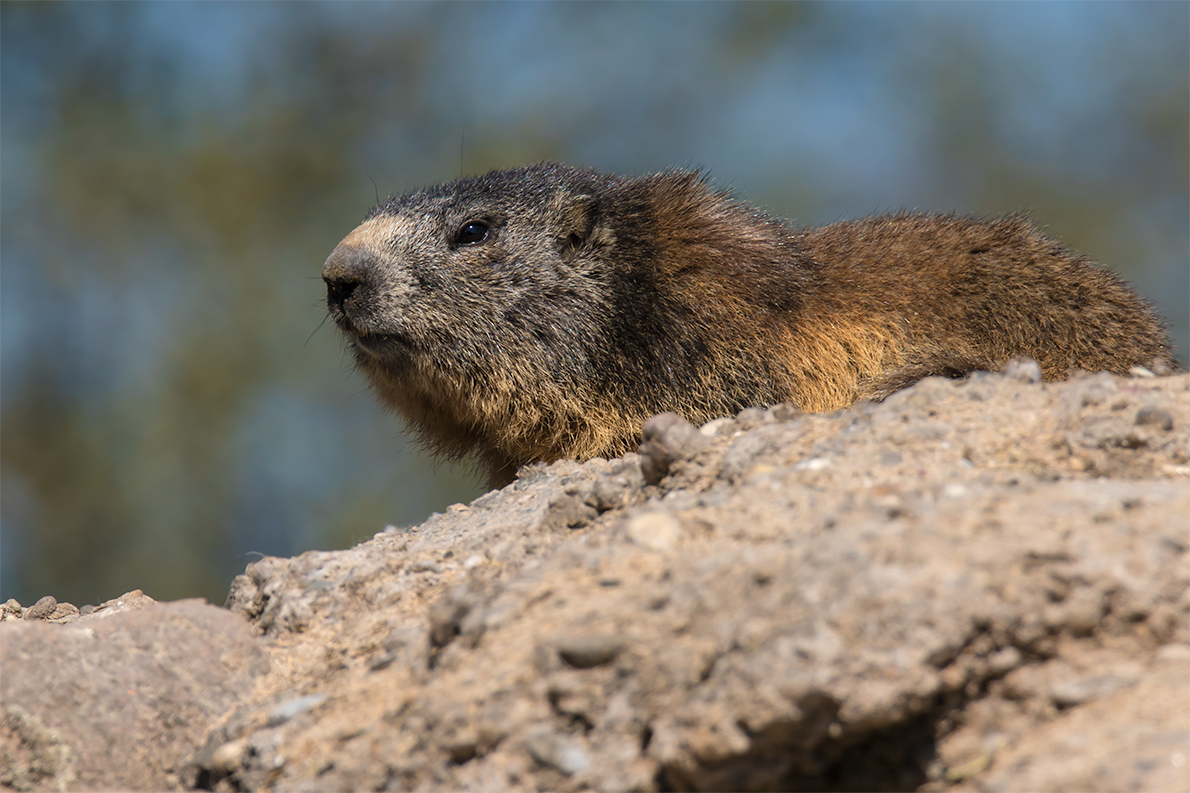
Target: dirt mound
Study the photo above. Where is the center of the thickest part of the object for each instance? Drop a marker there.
(977, 584)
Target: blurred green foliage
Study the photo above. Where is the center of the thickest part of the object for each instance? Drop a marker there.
(174, 174)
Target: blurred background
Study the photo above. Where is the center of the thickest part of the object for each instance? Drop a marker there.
(174, 174)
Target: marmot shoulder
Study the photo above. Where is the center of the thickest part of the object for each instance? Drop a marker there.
(547, 311)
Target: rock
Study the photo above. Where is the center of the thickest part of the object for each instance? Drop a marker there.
(1068, 693)
(1023, 370)
(230, 756)
(42, 609)
(589, 651)
(557, 751)
(657, 531)
(129, 601)
(122, 701)
(1154, 417)
(975, 585)
(667, 438)
(446, 615)
(293, 707)
(11, 610)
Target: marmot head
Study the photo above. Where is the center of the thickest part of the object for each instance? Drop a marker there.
(479, 309)
(547, 311)
(479, 268)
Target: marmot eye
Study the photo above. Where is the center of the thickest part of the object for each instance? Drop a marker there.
(471, 232)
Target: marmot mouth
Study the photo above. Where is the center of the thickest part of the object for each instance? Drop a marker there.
(381, 345)
(362, 335)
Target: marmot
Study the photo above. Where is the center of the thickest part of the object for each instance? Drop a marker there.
(547, 311)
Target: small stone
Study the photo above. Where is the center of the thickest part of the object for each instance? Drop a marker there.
(129, 601)
(1094, 389)
(1023, 370)
(955, 490)
(589, 651)
(608, 493)
(1004, 660)
(462, 748)
(447, 613)
(382, 662)
(785, 412)
(557, 751)
(64, 611)
(42, 609)
(1155, 417)
(657, 531)
(230, 756)
(751, 417)
(292, 707)
(1174, 652)
(1069, 693)
(970, 768)
(667, 438)
(712, 427)
(569, 512)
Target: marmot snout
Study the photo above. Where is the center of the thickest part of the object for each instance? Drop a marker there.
(547, 311)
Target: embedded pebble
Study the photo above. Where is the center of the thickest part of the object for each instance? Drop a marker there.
(608, 493)
(1155, 417)
(1068, 693)
(230, 756)
(748, 450)
(785, 412)
(1023, 370)
(557, 751)
(712, 427)
(42, 609)
(290, 708)
(955, 490)
(657, 531)
(570, 511)
(752, 417)
(1174, 652)
(589, 651)
(65, 613)
(667, 438)
(447, 613)
(129, 601)
(1004, 660)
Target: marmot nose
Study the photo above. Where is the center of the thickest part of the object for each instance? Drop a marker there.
(346, 269)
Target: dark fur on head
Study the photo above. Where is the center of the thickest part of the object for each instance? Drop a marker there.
(547, 311)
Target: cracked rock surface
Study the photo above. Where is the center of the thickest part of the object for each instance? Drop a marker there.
(975, 585)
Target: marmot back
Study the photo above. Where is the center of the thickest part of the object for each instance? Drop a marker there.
(547, 311)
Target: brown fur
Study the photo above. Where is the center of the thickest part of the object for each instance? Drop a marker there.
(595, 301)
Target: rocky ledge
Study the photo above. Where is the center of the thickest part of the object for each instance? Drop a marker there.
(975, 585)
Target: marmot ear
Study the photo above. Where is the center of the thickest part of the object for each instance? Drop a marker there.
(577, 223)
